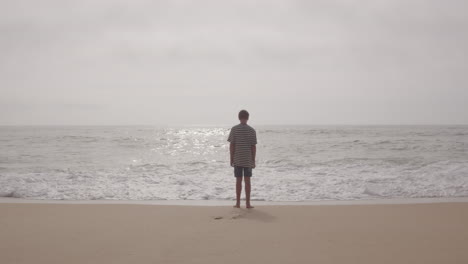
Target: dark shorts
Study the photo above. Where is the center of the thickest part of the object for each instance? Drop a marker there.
(242, 171)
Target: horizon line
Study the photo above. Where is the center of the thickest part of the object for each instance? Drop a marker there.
(257, 124)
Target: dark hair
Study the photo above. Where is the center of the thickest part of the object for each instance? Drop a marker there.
(243, 114)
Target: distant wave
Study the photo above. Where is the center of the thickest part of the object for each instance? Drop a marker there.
(295, 163)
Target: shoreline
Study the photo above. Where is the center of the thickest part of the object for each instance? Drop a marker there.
(7, 200)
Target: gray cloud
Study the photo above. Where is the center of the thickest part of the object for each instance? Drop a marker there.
(198, 62)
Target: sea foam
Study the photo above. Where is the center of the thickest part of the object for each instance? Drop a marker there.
(295, 163)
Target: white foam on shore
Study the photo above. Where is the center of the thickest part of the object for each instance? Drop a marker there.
(305, 163)
(229, 203)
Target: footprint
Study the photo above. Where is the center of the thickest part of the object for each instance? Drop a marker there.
(235, 216)
(237, 213)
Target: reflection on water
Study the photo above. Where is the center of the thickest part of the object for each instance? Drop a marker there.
(294, 163)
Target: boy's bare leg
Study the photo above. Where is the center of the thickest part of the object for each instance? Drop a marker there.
(238, 191)
(247, 192)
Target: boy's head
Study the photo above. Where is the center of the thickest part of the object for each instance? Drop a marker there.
(243, 116)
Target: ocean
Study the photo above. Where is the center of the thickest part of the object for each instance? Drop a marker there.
(294, 163)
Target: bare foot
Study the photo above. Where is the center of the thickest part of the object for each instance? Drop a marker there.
(249, 206)
(236, 206)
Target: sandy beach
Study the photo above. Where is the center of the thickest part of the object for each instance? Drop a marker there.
(131, 233)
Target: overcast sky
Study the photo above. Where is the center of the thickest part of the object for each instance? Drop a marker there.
(200, 62)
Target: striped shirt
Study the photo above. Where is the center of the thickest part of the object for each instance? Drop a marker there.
(243, 137)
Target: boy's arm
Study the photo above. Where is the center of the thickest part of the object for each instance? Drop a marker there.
(254, 146)
(254, 152)
(232, 149)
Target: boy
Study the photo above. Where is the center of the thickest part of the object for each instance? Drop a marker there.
(243, 139)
